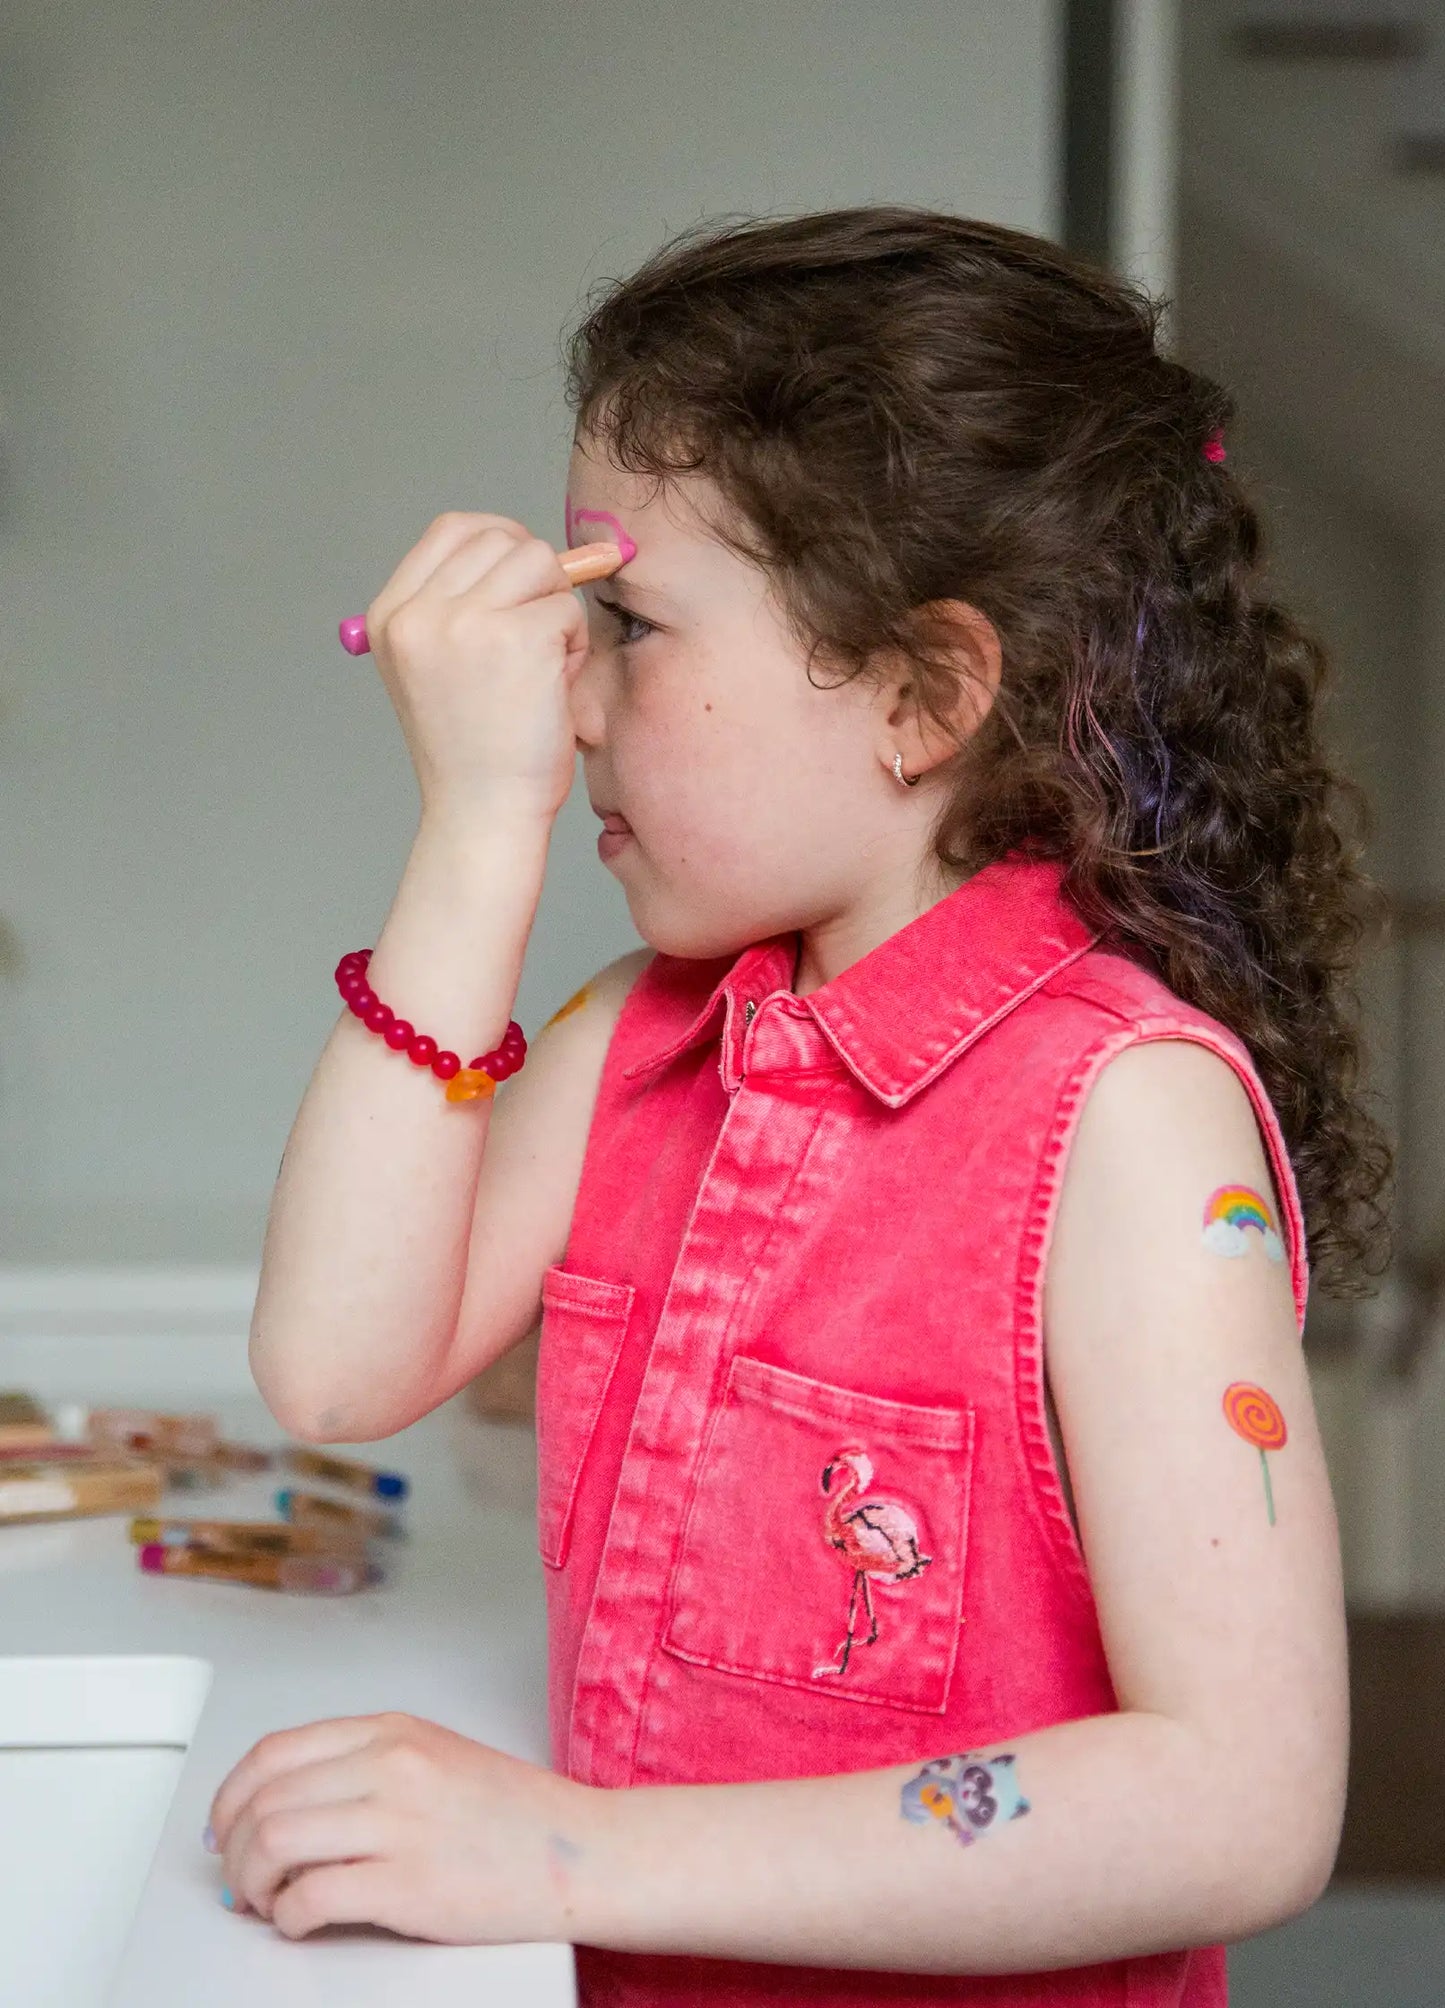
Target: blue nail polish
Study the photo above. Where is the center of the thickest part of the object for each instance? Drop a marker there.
(208, 1840)
(228, 1900)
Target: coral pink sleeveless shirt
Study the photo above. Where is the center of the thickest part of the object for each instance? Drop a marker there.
(805, 1225)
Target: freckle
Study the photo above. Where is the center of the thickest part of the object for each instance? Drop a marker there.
(707, 707)
(1214, 1542)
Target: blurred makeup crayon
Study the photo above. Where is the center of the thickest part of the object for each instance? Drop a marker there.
(346, 1471)
(257, 1537)
(305, 1575)
(313, 1509)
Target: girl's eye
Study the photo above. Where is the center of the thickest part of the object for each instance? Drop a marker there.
(634, 627)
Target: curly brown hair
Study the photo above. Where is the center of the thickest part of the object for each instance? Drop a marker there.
(898, 407)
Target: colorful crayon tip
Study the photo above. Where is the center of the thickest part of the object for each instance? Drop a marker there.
(152, 1533)
(153, 1557)
(391, 1486)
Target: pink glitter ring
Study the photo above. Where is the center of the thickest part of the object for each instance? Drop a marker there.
(1214, 446)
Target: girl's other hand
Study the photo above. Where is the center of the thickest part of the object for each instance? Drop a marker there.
(396, 1821)
(478, 635)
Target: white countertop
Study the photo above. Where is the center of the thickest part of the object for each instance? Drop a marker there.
(456, 1633)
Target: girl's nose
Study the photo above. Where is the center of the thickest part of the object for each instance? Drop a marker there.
(586, 711)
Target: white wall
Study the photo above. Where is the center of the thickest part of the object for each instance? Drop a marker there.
(277, 285)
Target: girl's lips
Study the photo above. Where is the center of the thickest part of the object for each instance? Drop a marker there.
(617, 823)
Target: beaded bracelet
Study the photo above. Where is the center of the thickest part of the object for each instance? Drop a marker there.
(464, 1084)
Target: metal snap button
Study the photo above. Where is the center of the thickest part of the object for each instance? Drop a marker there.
(748, 1009)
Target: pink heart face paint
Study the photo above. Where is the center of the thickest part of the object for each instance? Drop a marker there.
(574, 518)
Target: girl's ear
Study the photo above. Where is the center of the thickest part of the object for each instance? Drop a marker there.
(958, 630)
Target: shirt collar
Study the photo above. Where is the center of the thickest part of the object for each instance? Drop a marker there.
(905, 1011)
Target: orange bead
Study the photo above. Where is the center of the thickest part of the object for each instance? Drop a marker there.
(470, 1085)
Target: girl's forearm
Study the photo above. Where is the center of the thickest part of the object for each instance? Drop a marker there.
(1138, 1837)
(365, 1253)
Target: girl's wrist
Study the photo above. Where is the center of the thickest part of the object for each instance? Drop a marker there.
(586, 1861)
(484, 870)
(473, 826)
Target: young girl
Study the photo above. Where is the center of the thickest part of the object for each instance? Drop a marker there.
(919, 1224)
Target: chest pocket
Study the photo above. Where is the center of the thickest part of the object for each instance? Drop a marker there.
(824, 1542)
(584, 1321)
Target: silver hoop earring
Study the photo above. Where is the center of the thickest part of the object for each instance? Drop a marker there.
(899, 775)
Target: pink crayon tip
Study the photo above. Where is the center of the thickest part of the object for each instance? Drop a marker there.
(575, 517)
(353, 635)
(153, 1557)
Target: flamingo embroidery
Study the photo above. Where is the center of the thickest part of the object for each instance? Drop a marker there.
(877, 1538)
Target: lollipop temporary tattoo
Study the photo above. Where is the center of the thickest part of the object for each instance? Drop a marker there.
(967, 1795)
(1252, 1414)
(1229, 1211)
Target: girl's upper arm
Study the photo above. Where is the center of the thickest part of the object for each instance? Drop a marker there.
(1174, 1359)
(537, 1133)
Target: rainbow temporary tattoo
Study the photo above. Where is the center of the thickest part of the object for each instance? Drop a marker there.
(572, 517)
(968, 1795)
(1229, 1211)
(574, 1003)
(1252, 1414)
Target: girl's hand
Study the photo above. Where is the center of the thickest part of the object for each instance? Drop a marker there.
(478, 635)
(392, 1820)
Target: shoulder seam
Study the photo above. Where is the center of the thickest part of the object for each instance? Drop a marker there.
(1044, 1488)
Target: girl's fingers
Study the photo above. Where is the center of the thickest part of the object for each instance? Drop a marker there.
(337, 1893)
(435, 545)
(284, 1842)
(287, 1750)
(333, 1781)
(499, 571)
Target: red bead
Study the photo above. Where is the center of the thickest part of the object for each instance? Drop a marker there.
(500, 1063)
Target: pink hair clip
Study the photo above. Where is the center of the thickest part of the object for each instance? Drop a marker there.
(1214, 446)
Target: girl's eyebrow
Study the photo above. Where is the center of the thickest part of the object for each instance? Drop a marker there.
(619, 589)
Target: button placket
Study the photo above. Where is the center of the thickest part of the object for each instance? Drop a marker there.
(732, 1230)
